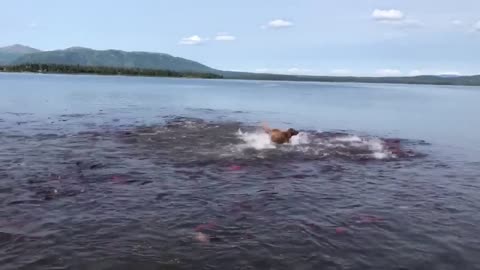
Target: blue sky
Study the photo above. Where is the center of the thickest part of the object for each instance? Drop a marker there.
(329, 37)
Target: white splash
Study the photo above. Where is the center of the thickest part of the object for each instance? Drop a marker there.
(380, 155)
(303, 142)
(258, 140)
(378, 148)
(375, 145)
(350, 138)
(301, 138)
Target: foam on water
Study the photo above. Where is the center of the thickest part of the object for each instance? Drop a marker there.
(219, 140)
(258, 140)
(370, 147)
(348, 138)
(375, 145)
(301, 138)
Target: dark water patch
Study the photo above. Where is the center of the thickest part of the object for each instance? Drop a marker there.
(48, 136)
(16, 136)
(190, 193)
(18, 114)
(215, 112)
(25, 202)
(221, 141)
(201, 110)
(74, 115)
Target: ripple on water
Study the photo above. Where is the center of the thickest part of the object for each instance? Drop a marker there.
(189, 193)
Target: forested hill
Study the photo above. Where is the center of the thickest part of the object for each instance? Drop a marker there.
(69, 69)
(11, 53)
(113, 58)
(130, 63)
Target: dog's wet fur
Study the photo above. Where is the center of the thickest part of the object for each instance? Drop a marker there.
(280, 137)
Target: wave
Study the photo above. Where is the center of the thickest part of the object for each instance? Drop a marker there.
(184, 140)
(325, 144)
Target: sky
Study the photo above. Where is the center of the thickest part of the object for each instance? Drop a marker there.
(313, 37)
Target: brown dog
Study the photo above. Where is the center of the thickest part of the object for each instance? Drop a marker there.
(278, 136)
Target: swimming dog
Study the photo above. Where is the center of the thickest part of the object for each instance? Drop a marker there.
(278, 136)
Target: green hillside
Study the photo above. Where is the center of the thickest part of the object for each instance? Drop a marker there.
(157, 63)
(11, 53)
(113, 58)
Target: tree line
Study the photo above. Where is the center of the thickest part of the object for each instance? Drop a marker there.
(425, 79)
(97, 70)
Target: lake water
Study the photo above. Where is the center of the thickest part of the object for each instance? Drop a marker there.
(153, 173)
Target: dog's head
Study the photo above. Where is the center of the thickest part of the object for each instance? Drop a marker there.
(292, 132)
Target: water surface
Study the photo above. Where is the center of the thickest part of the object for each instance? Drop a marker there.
(149, 173)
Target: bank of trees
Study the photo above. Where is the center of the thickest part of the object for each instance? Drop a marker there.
(76, 69)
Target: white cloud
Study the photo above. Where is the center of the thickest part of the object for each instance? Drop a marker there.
(457, 22)
(476, 27)
(341, 72)
(294, 70)
(449, 73)
(407, 23)
(388, 72)
(288, 71)
(33, 25)
(394, 17)
(300, 71)
(416, 72)
(419, 72)
(278, 24)
(262, 70)
(225, 37)
(193, 40)
(388, 15)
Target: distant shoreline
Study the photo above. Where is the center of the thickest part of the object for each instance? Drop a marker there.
(109, 71)
(78, 60)
(417, 80)
(473, 81)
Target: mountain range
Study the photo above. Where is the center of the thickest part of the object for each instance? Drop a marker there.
(11, 53)
(79, 56)
(18, 54)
